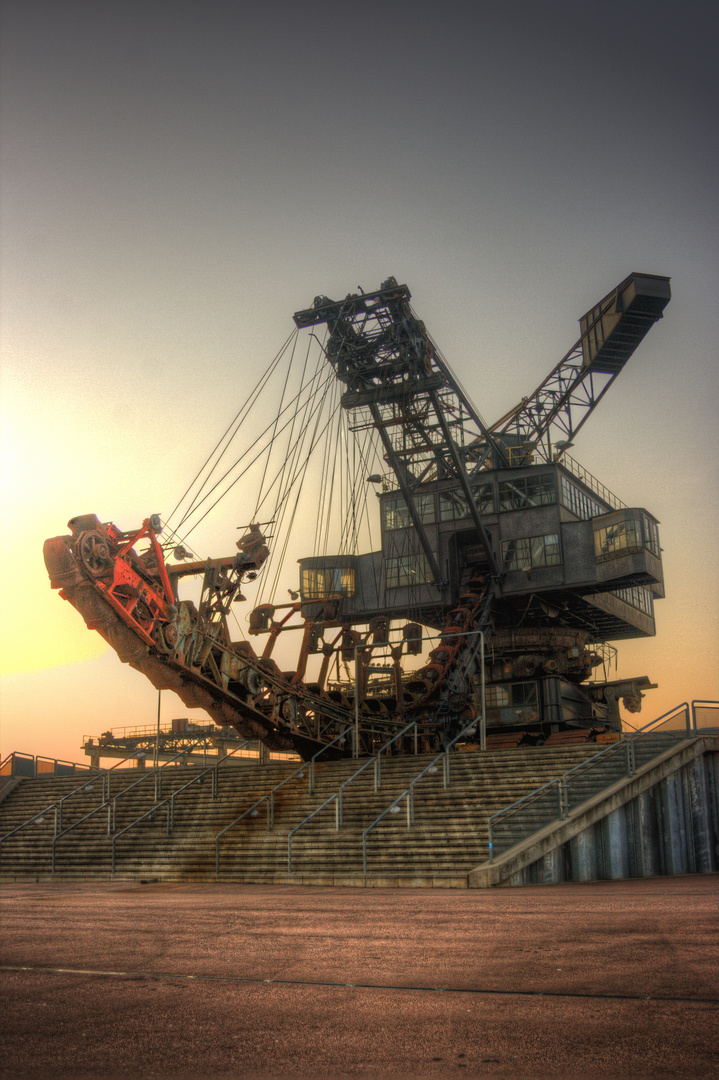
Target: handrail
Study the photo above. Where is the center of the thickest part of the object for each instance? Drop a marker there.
(19, 754)
(526, 799)
(666, 716)
(627, 745)
(35, 819)
(376, 758)
(577, 470)
(107, 801)
(57, 806)
(34, 758)
(199, 778)
(155, 773)
(701, 704)
(408, 793)
(335, 795)
(170, 800)
(339, 793)
(270, 797)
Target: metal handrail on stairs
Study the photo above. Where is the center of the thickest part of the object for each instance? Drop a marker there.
(408, 793)
(57, 806)
(170, 800)
(376, 757)
(560, 803)
(156, 774)
(269, 798)
(110, 804)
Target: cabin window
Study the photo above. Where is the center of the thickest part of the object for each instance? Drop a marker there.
(626, 537)
(396, 513)
(407, 570)
(527, 491)
(484, 498)
(579, 502)
(512, 695)
(651, 536)
(497, 697)
(532, 551)
(453, 505)
(639, 596)
(621, 538)
(319, 582)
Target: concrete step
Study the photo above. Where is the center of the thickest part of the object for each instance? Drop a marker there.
(449, 829)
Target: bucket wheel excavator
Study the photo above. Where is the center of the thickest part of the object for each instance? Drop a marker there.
(504, 569)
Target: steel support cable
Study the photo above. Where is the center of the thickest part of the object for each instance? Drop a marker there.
(233, 482)
(350, 540)
(324, 487)
(327, 479)
(370, 447)
(259, 453)
(348, 506)
(292, 471)
(328, 441)
(366, 448)
(298, 475)
(351, 494)
(330, 487)
(361, 478)
(255, 516)
(302, 414)
(348, 537)
(237, 420)
(260, 498)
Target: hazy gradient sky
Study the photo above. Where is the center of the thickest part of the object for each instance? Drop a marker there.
(179, 177)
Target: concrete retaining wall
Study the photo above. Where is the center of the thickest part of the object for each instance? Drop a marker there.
(671, 828)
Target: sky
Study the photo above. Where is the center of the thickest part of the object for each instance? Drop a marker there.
(178, 177)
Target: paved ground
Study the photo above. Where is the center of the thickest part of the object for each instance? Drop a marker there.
(610, 980)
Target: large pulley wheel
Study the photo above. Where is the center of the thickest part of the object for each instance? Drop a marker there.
(95, 554)
(166, 637)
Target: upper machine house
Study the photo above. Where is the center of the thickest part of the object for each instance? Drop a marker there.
(555, 532)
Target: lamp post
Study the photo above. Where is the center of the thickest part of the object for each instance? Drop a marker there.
(157, 735)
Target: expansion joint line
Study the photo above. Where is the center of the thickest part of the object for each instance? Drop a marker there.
(327, 984)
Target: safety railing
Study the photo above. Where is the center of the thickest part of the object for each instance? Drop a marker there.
(169, 802)
(156, 774)
(408, 793)
(30, 766)
(560, 797)
(58, 806)
(253, 810)
(108, 802)
(591, 481)
(337, 796)
(677, 719)
(18, 764)
(709, 711)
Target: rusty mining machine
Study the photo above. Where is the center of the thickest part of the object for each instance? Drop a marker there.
(503, 571)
